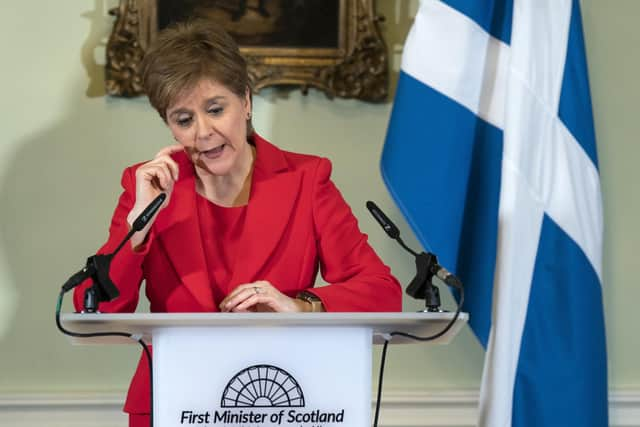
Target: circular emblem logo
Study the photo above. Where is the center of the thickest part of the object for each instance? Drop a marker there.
(263, 386)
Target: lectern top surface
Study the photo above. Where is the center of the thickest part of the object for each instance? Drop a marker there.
(421, 324)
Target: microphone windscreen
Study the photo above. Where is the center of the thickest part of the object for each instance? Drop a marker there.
(148, 212)
(388, 226)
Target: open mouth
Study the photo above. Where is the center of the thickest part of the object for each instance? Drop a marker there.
(214, 152)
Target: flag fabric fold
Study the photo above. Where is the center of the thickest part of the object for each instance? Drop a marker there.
(490, 155)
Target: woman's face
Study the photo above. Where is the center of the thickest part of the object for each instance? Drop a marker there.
(210, 122)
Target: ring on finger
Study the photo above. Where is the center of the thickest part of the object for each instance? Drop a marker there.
(256, 290)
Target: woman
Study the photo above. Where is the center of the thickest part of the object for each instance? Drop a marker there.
(245, 226)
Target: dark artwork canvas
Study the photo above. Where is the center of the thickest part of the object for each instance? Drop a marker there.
(263, 23)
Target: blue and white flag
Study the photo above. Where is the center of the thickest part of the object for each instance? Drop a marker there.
(490, 155)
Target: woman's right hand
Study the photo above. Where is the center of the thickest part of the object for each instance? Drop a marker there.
(152, 178)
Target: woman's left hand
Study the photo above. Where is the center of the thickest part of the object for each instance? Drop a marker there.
(261, 296)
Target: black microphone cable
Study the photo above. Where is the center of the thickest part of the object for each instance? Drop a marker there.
(137, 338)
(390, 335)
(89, 271)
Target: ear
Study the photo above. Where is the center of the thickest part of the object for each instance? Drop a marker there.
(248, 99)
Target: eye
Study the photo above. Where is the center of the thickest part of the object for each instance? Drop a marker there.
(183, 121)
(215, 110)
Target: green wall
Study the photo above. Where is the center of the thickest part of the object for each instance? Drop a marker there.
(64, 145)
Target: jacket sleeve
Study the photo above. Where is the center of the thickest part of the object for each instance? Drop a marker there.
(126, 266)
(358, 279)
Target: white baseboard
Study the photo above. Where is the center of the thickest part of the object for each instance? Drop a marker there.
(429, 408)
(459, 408)
(453, 408)
(63, 410)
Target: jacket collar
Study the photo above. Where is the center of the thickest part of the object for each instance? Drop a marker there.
(269, 159)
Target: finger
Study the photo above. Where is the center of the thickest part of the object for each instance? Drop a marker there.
(170, 149)
(265, 284)
(261, 286)
(166, 170)
(254, 300)
(158, 174)
(170, 163)
(233, 300)
(240, 288)
(247, 304)
(231, 295)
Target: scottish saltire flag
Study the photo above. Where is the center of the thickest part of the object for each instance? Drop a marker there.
(490, 155)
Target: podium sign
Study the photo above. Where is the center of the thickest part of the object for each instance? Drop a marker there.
(262, 369)
(289, 377)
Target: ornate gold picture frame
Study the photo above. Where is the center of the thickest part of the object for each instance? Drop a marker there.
(351, 64)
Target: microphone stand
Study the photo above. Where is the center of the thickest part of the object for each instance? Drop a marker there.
(103, 289)
(98, 266)
(421, 287)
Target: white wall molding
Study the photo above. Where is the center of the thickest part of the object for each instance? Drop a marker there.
(448, 408)
(458, 408)
(89, 409)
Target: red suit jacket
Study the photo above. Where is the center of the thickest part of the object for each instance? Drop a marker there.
(296, 223)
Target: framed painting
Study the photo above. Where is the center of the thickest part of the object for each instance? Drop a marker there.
(331, 45)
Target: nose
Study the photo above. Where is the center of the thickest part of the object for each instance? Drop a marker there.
(204, 128)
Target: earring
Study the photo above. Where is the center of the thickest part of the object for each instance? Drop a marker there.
(249, 115)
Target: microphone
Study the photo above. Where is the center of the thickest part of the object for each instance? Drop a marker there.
(148, 212)
(387, 225)
(426, 265)
(142, 220)
(98, 266)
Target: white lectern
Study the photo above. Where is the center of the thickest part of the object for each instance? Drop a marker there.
(262, 369)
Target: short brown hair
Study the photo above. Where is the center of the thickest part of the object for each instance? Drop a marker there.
(186, 53)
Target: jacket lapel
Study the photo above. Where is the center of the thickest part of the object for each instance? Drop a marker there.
(178, 229)
(274, 192)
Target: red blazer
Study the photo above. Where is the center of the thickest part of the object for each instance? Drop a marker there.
(296, 223)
